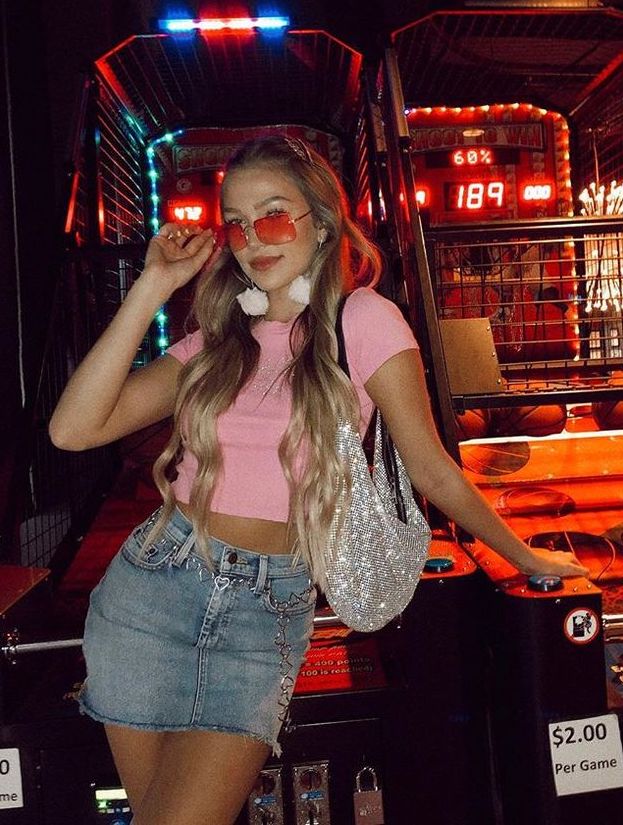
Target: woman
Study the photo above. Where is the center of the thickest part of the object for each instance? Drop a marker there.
(207, 609)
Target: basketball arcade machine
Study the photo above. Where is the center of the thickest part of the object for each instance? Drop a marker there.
(498, 274)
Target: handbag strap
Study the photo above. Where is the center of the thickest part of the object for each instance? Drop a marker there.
(342, 358)
(388, 451)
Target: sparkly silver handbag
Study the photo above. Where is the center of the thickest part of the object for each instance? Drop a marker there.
(378, 541)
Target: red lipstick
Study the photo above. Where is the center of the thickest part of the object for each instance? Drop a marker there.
(263, 262)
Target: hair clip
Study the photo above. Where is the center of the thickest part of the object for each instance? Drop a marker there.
(299, 148)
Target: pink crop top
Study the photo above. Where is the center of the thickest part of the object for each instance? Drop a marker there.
(252, 483)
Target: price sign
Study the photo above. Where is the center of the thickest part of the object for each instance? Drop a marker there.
(586, 754)
(11, 795)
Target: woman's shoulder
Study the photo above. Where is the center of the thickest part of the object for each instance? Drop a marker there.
(365, 305)
(374, 331)
(186, 347)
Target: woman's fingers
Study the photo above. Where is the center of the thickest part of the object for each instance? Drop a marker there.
(178, 234)
(560, 562)
(175, 243)
(203, 250)
(204, 240)
(179, 252)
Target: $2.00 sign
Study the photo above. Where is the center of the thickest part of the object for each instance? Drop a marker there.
(586, 754)
(10, 779)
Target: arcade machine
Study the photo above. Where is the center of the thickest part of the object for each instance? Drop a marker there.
(524, 373)
(158, 124)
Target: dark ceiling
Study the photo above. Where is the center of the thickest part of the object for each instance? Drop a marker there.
(553, 59)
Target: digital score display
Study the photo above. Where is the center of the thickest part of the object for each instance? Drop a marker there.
(474, 195)
(477, 156)
(538, 192)
(186, 212)
(489, 163)
(467, 157)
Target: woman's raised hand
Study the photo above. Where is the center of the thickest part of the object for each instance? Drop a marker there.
(178, 252)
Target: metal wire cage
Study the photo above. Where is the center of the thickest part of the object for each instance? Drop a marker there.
(530, 281)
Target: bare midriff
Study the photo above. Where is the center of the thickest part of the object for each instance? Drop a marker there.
(255, 534)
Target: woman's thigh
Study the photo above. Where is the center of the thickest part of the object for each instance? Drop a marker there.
(136, 754)
(200, 777)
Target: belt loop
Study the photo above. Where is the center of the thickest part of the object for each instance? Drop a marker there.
(184, 550)
(262, 575)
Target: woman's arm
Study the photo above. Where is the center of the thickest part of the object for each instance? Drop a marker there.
(399, 390)
(102, 401)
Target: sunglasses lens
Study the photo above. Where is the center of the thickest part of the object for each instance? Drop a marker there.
(275, 229)
(234, 236)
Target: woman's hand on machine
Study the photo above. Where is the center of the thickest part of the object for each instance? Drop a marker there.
(178, 252)
(553, 563)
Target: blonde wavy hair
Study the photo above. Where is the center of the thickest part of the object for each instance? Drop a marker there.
(321, 393)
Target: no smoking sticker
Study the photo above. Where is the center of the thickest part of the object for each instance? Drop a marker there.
(581, 625)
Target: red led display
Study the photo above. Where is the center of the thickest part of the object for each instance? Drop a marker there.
(537, 192)
(186, 212)
(475, 195)
(478, 156)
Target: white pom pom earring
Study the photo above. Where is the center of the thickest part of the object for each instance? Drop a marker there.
(300, 289)
(252, 300)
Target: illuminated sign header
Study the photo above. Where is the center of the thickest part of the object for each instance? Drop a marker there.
(523, 135)
(189, 158)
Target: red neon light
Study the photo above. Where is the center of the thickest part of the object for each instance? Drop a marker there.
(537, 192)
(69, 220)
(191, 212)
(421, 197)
(472, 157)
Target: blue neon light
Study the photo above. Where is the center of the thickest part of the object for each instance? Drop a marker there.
(177, 25)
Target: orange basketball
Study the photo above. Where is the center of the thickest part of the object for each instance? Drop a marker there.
(608, 415)
(543, 419)
(473, 424)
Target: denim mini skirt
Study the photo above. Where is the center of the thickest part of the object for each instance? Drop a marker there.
(173, 644)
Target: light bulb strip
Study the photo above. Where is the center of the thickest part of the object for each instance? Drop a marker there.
(161, 318)
(225, 24)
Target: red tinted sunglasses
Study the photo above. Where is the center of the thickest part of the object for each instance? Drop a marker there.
(271, 230)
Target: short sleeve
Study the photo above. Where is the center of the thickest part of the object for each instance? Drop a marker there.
(186, 347)
(374, 331)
